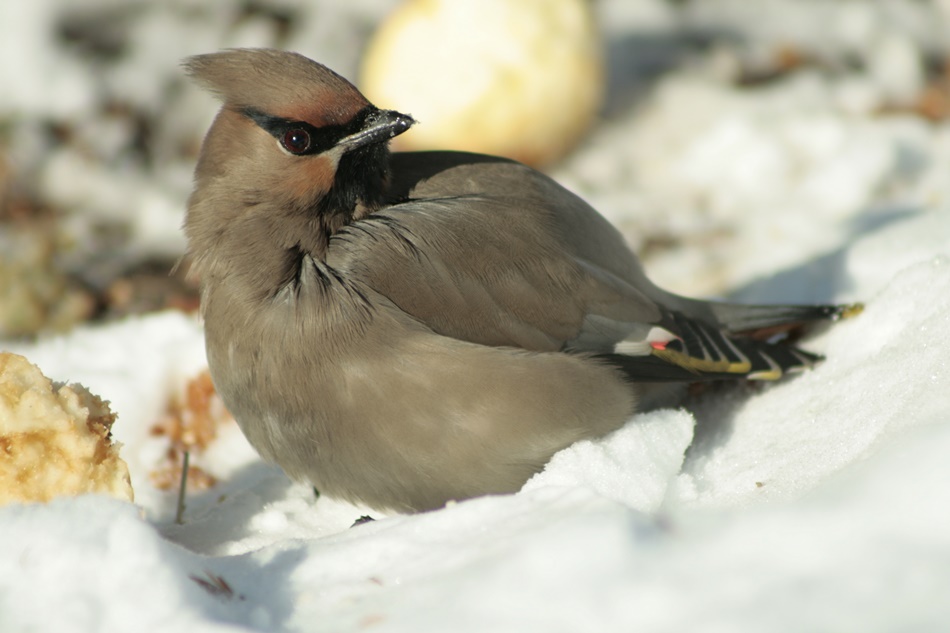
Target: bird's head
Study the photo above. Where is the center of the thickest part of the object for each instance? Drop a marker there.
(293, 140)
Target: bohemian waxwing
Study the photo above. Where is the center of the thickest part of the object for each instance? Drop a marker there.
(404, 330)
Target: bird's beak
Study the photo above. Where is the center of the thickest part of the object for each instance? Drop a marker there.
(379, 127)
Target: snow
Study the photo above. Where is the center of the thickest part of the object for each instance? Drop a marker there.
(819, 503)
(634, 466)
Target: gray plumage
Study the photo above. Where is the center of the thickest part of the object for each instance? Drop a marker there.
(409, 329)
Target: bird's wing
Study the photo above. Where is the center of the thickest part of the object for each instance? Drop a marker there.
(441, 261)
(495, 253)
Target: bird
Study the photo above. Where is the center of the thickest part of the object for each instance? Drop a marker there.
(404, 330)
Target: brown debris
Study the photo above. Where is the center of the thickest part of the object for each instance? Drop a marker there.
(934, 102)
(215, 585)
(191, 424)
(149, 287)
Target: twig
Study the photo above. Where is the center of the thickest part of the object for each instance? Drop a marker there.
(180, 514)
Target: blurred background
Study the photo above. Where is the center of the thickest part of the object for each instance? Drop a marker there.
(704, 129)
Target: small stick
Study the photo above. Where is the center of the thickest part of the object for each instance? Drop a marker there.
(180, 514)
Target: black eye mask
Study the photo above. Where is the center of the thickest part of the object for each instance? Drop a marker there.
(302, 139)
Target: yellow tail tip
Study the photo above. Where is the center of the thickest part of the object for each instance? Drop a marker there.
(850, 311)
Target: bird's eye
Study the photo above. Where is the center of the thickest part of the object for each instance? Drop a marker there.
(296, 140)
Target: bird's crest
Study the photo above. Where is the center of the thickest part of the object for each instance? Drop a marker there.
(279, 83)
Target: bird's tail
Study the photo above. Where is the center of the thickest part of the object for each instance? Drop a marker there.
(728, 341)
(759, 320)
(754, 320)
